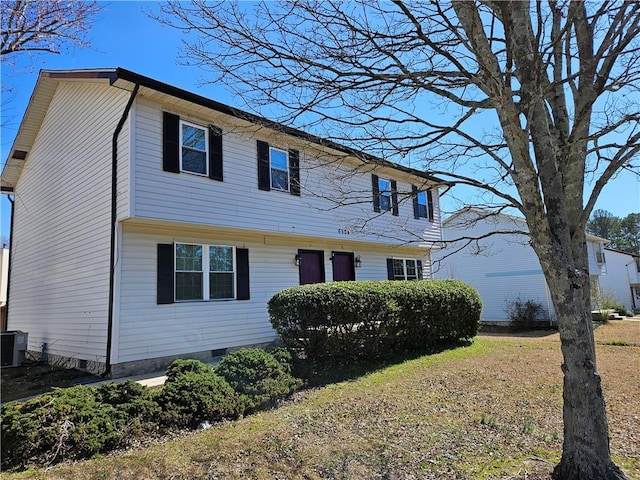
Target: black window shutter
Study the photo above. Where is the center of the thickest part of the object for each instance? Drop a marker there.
(264, 172)
(165, 273)
(430, 204)
(394, 197)
(215, 153)
(419, 269)
(390, 274)
(294, 172)
(242, 275)
(170, 142)
(414, 195)
(376, 192)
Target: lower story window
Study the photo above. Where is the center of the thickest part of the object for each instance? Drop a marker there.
(221, 272)
(407, 269)
(204, 272)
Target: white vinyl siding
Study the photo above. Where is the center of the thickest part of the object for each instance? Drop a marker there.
(502, 268)
(237, 202)
(148, 330)
(60, 269)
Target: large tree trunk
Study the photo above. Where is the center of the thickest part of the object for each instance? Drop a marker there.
(585, 453)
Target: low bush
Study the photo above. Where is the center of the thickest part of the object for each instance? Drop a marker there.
(195, 393)
(523, 314)
(258, 377)
(182, 366)
(616, 307)
(74, 423)
(346, 321)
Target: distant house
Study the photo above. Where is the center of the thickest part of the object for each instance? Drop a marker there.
(503, 267)
(622, 266)
(153, 223)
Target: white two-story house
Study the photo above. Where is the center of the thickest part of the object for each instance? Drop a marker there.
(150, 223)
(492, 252)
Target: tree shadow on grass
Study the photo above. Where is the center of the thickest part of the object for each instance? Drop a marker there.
(509, 331)
(322, 374)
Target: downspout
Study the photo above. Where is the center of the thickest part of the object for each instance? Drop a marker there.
(114, 215)
(6, 306)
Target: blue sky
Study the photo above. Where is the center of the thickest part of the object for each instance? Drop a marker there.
(124, 36)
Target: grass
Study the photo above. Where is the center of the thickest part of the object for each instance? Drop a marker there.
(491, 410)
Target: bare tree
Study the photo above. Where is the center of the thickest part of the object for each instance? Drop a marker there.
(44, 25)
(538, 100)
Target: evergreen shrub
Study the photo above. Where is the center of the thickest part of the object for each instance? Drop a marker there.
(258, 377)
(74, 423)
(194, 393)
(345, 321)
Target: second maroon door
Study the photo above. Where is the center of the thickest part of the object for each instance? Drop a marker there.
(343, 266)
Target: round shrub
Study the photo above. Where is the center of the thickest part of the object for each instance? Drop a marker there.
(191, 397)
(257, 376)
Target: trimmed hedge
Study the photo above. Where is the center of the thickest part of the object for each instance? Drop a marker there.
(345, 321)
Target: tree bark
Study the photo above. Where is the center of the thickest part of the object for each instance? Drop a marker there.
(586, 453)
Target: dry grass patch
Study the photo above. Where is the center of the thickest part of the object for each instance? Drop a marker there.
(488, 411)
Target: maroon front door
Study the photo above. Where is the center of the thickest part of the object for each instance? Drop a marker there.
(343, 266)
(311, 266)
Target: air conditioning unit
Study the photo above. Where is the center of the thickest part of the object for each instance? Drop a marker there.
(14, 345)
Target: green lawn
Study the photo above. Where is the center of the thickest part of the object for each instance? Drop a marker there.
(490, 410)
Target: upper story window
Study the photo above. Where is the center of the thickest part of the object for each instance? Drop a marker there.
(404, 269)
(385, 195)
(384, 187)
(204, 272)
(278, 169)
(193, 151)
(423, 204)
(191, 148)
(599, 250)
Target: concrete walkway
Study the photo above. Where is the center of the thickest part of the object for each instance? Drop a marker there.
(153, 379)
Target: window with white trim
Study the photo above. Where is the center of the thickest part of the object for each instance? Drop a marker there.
(279, 169)
(406, 269)
(204, 272)
(384, 187)
(193, 149)
(423, 211)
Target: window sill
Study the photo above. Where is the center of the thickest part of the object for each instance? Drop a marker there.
(206, 301)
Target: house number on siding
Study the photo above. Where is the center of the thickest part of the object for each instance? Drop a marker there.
(344, 231)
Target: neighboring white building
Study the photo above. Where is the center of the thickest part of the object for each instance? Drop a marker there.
(622, 266)
(502, 266)
(153, 223)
